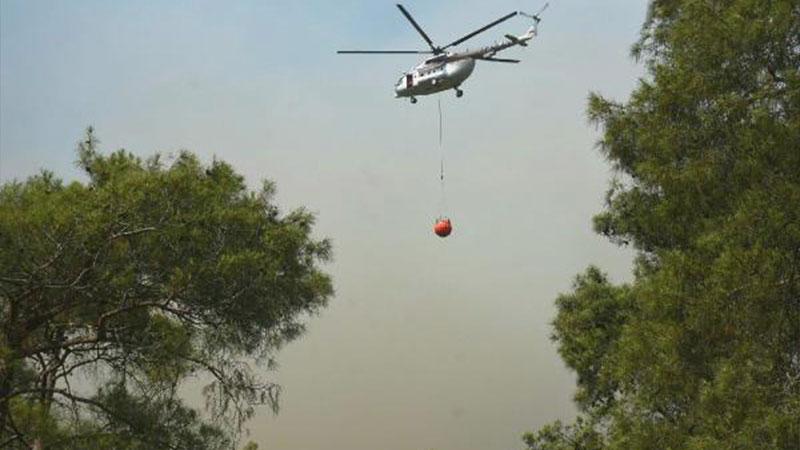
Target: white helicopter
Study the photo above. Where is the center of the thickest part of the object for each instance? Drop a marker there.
(447, 70)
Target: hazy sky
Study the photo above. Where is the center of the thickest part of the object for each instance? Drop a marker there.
(428, 343)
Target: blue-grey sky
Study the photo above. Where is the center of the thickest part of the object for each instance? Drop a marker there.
(428, 343)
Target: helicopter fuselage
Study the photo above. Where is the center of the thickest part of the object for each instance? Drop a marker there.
(434, 75)
(448, 69)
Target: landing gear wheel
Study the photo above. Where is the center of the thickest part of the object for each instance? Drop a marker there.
(413, 100)
(459, 93)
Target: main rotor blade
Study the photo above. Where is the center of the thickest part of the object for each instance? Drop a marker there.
(418, 28)
(503, 60)
(481, 30)
(383, 52)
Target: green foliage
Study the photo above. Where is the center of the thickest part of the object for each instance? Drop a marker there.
(701, 350)
(588, 330)
(144, 276)
(557, 436)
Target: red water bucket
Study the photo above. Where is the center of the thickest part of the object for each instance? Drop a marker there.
(443, 227)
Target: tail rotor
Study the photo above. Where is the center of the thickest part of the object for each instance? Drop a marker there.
(536, 17)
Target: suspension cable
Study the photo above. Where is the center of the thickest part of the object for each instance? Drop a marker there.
(443, 196)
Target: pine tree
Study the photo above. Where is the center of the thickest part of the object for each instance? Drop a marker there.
(145, 276)
(702, 349)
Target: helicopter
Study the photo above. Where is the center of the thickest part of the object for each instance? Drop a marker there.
(448, 69)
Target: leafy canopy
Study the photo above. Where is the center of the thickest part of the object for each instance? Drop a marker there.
(701, 350)
(115, 291)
